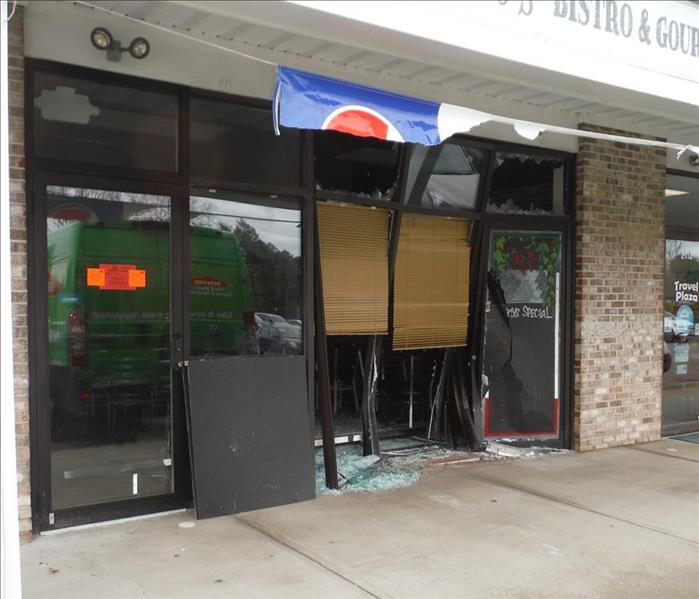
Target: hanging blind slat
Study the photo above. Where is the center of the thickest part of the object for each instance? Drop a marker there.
(354, 267)
(431, 283)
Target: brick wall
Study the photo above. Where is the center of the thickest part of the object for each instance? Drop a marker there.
(18, 240)
(620, 240)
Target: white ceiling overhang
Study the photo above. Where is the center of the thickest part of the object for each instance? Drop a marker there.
(269, 33)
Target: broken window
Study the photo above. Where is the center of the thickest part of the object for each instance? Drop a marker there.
(527, 184)
(361, 166)
(446, 177)
(522, 335)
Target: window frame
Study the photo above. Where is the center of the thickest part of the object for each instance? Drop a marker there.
(229, 184)
(181, 139)
(180, 184)
(682, 234)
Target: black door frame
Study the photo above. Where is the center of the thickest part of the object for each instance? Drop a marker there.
(565, 371)
(685, 234)
(482, 222)
(45, 518)
(177, 185)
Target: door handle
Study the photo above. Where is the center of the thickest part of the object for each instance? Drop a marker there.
(177, 348)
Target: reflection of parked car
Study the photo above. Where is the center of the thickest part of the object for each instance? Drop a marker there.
(676, 329)
(276, 335)
(667, 357)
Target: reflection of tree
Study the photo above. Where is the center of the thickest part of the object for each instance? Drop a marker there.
(275, 275)
(673, 248)
(104, 206)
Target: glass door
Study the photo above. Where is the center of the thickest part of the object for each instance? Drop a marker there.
(680, 408)
(521, 363)
(111, 337)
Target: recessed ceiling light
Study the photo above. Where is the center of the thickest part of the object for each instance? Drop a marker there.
(675, 192)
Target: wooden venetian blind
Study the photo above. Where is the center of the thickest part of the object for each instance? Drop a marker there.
(431, 283)
(354, 267)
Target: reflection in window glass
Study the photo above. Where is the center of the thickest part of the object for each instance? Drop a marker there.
(246, 278)
(109, 338)
(230, 142)
(527, 184)
(521, 353)
(680, 333)
(681, 201)
(363, 166)
(453, 182)
(97, 123)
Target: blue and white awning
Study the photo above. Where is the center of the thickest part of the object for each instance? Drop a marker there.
(308, 101)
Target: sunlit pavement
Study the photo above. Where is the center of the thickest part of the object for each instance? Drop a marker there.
(619, 523)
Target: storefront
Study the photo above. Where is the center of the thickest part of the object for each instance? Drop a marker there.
(149, 252)
(680, 332)
(468, 289)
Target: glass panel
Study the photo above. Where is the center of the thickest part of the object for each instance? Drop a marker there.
(246, 282)
(86, 121)
(527, 184)
(453, 182)
(681, 334)
(362, 166)
(109, 332)
(237, 143)
(522, 332)
(682, 202)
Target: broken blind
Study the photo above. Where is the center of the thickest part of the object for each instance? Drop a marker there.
(431, 283)
(354, 268)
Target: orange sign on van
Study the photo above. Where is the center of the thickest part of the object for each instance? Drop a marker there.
(95, 277)
(116, 277)
(137, 278)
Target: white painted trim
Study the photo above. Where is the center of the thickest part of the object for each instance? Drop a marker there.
(60, 531)
(10, 575)
(525, 128)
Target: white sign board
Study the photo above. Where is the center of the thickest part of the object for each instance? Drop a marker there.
(649, 47)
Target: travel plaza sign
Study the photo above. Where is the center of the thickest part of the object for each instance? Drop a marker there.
(686, 292)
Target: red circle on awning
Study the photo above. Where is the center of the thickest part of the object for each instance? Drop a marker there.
(360, 123)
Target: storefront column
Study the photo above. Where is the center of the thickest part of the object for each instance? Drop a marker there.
(18, 255)
(620, 243)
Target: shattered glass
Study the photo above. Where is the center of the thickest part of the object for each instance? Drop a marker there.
(527, 184)
(404, 460)
(454, 178)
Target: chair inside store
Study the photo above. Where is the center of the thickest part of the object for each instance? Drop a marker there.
(405, 387)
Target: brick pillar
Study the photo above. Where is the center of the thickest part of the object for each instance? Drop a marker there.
(18, 240)
(620, 237)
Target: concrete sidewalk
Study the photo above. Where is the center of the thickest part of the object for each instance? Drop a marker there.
(610, 524)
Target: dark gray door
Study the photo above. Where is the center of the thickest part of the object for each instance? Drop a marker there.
(250, 433)
(250, 438)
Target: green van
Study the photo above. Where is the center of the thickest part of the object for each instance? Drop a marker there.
(109, 340)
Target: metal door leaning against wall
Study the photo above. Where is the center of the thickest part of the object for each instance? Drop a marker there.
(108, 423)
(247, 399)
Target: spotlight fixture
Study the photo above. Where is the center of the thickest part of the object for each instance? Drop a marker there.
(102, 39)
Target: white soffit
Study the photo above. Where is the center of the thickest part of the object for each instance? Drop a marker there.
(293, 35)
